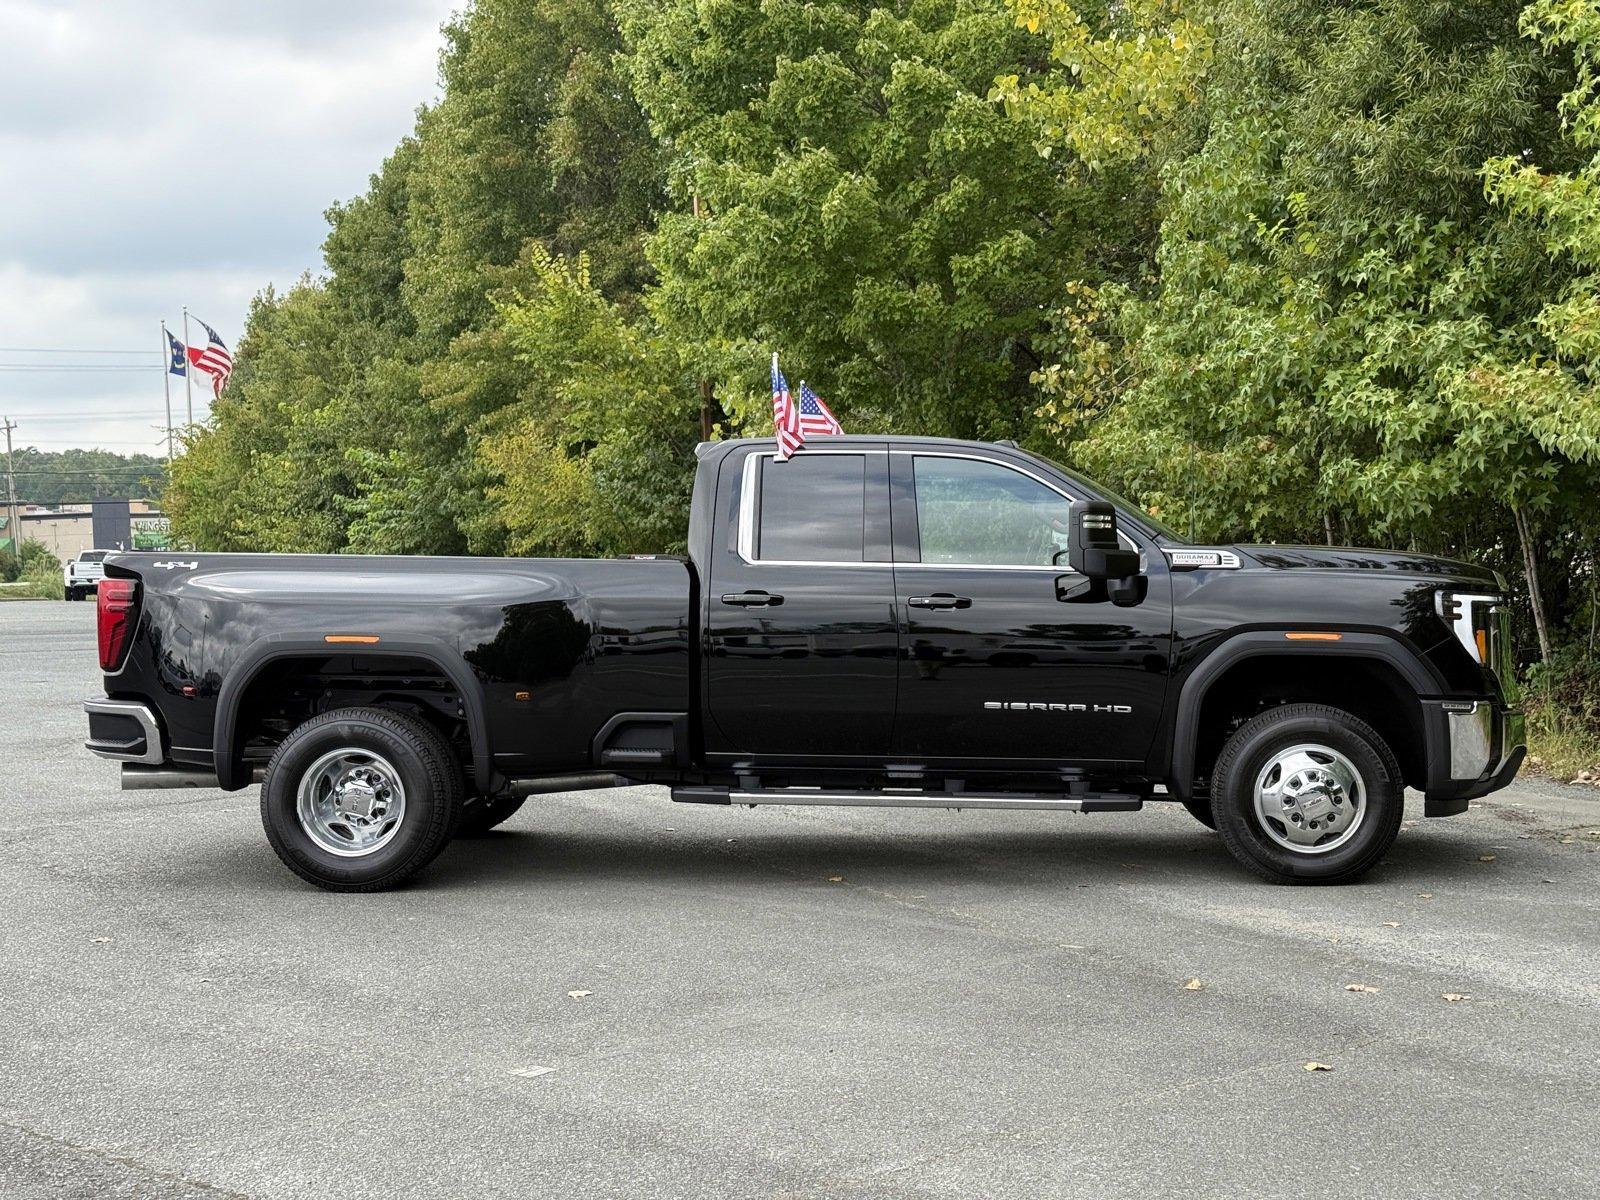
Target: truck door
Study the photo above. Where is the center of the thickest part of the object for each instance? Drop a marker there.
(994, 665)
(800, 607)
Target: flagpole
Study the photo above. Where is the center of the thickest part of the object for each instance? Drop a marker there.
(188, 368)
(166, 380)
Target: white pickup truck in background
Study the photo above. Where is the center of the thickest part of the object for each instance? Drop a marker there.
(82, 575)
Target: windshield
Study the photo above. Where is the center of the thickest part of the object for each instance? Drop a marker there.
(92, 556)
(1159, 528)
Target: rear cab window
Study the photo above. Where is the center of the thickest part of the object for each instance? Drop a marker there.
(812, 508)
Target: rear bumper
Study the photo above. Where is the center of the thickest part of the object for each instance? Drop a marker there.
(1474, 748)
(124, 731)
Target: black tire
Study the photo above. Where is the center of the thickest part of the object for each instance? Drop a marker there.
(72, 593)
(1200, 809)
(1249, 752)
(428, 772)
(480, 816)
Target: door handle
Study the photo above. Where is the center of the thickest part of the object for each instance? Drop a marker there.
(940, 600)
(751, 599)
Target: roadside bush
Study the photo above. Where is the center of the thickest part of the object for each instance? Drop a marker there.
(36, 573)
(1563, 702)
(35, 554)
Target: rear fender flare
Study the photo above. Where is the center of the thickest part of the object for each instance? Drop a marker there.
(1424, 680)
(230, 773)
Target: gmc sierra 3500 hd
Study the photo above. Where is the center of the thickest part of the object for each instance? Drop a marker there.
(878, 621)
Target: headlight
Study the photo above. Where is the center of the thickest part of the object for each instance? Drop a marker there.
(1471, 617)
(1483, 627)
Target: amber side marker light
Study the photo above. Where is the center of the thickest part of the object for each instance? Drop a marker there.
(351, 639)
(1313, 637)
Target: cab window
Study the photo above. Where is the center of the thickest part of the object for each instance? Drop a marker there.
(973, 513)
(813, 509)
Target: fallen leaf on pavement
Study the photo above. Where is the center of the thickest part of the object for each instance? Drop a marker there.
(1485, 858)
(1194, 985)
(99, 941)
(1425, 895)
(1359, 987)
(531, 1072)
(1316, 1066)
(1391, 924)
(1455, 996)
(835, 878)
(579, 995)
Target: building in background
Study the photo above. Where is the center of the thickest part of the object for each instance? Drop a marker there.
(104, 524)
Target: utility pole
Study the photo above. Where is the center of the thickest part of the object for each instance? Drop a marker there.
(11, 494)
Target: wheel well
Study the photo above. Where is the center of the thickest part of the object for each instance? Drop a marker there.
(1367, 688)
(287, 692)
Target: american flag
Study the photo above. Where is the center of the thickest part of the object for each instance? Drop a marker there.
(793, 422)
(213, 359)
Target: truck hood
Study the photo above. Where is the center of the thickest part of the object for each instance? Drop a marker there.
(1357, 558)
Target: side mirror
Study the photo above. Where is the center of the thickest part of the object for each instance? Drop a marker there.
(1094, 549)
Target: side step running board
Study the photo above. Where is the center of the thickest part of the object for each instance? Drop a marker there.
(1063, 802)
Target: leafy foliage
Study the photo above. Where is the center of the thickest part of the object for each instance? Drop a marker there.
(78, 476)
(1345, 338)
(1283, 269)
(353, 418)
(848, 195)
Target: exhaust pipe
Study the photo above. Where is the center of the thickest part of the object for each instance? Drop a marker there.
(137, 777)
(587, 782)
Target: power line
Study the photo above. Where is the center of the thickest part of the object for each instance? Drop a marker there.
(87, 412)
(99, 471)
(65, 350)
(92, 368)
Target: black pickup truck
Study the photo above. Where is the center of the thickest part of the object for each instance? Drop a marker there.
(877, 621)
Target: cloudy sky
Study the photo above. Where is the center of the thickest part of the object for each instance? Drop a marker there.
(154, 156)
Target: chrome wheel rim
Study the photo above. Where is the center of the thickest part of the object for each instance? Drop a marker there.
(351, 802)
(1310, 799)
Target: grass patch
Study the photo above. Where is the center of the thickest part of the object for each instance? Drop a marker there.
(1562, 698)
(41, 581)
(1560, 744)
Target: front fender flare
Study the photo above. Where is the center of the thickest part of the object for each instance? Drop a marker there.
(1423, 678)
(231, 775)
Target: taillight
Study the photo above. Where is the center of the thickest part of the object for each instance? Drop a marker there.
(116, 606)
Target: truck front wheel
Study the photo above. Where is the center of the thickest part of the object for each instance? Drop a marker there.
(360, 799)
(1306, 793)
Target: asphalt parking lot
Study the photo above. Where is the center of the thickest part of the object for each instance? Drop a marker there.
(618, 996)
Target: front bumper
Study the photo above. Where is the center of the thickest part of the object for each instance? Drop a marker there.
(1474, 748)
(124, 731)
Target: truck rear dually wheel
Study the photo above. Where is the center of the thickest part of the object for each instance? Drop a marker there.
(1306, 793)
(360, 799)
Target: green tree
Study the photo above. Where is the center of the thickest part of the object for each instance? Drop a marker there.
(79, 475)
(347, 424)
(598, 453)
(847, 194)
(1340, 338)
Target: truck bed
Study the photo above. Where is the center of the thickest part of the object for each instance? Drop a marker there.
(553, 648)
